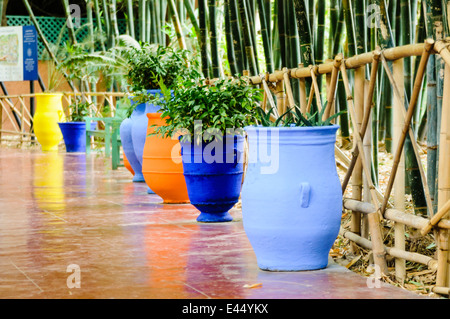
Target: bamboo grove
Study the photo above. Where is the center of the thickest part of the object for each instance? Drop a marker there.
(261, 36)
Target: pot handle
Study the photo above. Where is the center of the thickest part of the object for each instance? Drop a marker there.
(305, 194)
(60, 115)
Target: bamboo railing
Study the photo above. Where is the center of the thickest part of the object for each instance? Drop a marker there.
(369, 206)
(17, 104)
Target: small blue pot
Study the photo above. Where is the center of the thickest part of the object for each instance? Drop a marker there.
(213, 176)
(74, 134)
(291, 197)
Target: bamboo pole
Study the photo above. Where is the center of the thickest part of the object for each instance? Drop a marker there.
(400, 100)
(367, 111)
(268, 93)
(399, 181)
(373, 219)
(310, 99)
(287, 84)
(412, 104)
(302, 88)
(177, 25)
(442, 254)
(367, 143)
(281, 97)
(332, 86)
(436, 218)
(394, 252)
(357, 176)
(444, 167)
(411, 220)
(350, 63)
(316, 87)
(441, 290)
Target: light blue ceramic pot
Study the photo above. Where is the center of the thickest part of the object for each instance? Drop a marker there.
(133, 132)
(291, 197)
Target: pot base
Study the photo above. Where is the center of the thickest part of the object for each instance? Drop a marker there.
(291, 268)
(138, 178)
(214, 218)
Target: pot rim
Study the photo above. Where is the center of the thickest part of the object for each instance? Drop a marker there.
(294, 128)
(49, 93)
(156, 115)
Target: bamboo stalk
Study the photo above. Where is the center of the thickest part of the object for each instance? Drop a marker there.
(304, 32)
(302, 89)
(373, 219)
(442, 253)
(442, 290)
(414, 96)
(436, 218)
(268, 93)
(398, 253)
(357, 176)
(176, 23)
(310, 99)
(400, 100)
(281, 97)
(332, 86)
(367, 143)
(350, 63)
(316, 88)
(287, 84)
(399, 181)
(367, 107)
(444, 167)
(249, 45)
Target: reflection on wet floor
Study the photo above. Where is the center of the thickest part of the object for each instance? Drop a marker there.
(59, 209)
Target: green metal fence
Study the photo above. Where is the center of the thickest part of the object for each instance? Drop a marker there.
(53, 26)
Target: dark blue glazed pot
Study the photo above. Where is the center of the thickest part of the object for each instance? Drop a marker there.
(133, 132)
(213, 176)
(291, 197)
(74, 134)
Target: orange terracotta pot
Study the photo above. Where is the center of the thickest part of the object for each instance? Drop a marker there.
(127, 164)
(162, 166)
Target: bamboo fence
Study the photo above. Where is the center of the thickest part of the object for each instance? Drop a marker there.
(369, 206)
(18, 104)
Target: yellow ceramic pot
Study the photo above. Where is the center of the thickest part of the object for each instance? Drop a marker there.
(49, 112)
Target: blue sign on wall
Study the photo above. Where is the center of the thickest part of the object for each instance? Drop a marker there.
(30, 53)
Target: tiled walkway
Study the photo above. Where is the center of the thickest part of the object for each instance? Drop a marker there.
(60, 213)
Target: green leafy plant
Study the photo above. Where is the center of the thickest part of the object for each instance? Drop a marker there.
(78, 111)
(294, 117)
(154, 66)
(227, 104)
(150, 63)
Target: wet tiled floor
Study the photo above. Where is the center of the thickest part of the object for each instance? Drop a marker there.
(64, 215)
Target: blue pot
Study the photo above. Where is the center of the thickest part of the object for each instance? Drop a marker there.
(74, 134)
(213, 176)
(128, 149)
(291, 197)
(133, 132)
